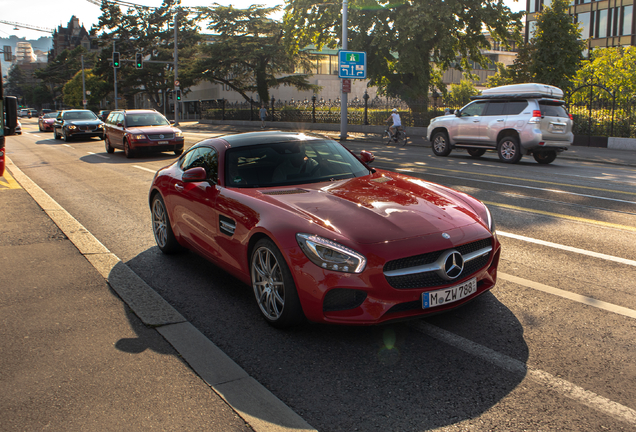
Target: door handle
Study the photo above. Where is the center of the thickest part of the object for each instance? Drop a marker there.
(178, 187)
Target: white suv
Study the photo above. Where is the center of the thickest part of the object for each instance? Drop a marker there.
(514, 120)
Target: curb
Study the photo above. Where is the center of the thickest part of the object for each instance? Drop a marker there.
(261, 409)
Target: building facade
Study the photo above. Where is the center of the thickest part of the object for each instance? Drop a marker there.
(606, 23)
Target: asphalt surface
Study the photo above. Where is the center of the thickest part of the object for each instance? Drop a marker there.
(88, 346)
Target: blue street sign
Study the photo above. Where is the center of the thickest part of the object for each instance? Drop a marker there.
(352, 64)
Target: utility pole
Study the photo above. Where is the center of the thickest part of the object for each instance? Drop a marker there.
(115, 72)
(176, 72)
(84, 101)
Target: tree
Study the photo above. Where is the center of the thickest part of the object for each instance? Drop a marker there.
(408, 44)
(612, 68)
(460, 93)
(557, 46)
(62, 69)
(248, 53)
(147, 30)
(518, 72)
(73, 90)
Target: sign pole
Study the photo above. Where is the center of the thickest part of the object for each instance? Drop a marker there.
(343, 95)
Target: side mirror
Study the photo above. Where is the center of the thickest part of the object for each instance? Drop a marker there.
(120, 124)
(458, 113)
(196, 174)
(171, 121)
(366, 156)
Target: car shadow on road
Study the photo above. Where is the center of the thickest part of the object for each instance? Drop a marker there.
(391, 377)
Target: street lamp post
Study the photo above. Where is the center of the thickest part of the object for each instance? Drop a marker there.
(343, 97)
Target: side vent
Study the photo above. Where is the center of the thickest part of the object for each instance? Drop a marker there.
(227, 225)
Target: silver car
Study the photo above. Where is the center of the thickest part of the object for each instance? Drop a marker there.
(513, 120)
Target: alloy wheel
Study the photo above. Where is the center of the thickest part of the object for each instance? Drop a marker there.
(268, 284)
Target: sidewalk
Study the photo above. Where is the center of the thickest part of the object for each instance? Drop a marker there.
(75, 357)
(579, 153)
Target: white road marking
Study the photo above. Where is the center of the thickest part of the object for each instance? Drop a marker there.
(527, 187)
(568, 248)
(144, 168)
(543, 378)
(98, 155)
(37, 136)
(68, 146)
(589, 301)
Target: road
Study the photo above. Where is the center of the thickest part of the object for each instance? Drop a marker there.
(550, 348)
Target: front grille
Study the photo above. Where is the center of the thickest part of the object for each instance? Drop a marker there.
(342, 299)
(168, 136)
(430, 279)
(87, 128)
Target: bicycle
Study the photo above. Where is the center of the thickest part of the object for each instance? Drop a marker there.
(399, 137)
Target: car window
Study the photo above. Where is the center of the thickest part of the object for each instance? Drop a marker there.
(551, 110)
(495, 108)
(204, 157)
(290, 163)
(146, 119)
(516, 107)
(474, 109)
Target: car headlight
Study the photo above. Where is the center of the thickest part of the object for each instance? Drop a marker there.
(178, 134)
(101, 126)
(71, 127)
(489, 220)
(139, 137)
(330, 255)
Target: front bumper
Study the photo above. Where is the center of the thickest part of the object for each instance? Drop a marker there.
(151, 146)
(370, 297)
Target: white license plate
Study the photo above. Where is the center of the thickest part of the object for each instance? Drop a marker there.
(449, 295)
(558, 128)
(163, 142)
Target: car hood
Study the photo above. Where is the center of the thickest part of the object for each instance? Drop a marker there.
(378, 208)
(151, 130)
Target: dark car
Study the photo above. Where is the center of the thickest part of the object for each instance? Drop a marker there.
(137, 131)
(103, 114)
(318, 234)
(70, 124)
(46, 120)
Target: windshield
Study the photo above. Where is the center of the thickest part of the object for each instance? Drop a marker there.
(50, 115)
(290, 163)
(80, 115)
(146, 119)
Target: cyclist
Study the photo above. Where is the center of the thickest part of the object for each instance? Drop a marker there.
(397, 122)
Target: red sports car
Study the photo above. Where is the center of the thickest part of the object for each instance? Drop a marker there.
(319, 234)
(46, 120)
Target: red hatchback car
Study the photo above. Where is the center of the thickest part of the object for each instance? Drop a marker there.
(46, 120)
(320, 235)
(137, 131)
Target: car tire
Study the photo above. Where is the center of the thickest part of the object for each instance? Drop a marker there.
(440, 144)
(509, 149)
(55, 135)
(65, 137)
(162, 229)
(544, 157)
(476, 153)
(178, 152)
(274, 287)
(127, 150)
(109, 148)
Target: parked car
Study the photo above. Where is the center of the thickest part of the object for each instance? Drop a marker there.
(71, 124)
(318, 234)
(23, 112)
(137, 131)
(45, 121)
(514, 120)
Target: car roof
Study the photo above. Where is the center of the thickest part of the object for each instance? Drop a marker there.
(268, 137)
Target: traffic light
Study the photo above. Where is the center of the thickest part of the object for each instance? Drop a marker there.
(178, 95)
(115, 59)
(139, 61)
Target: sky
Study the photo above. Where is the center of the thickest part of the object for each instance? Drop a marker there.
(50, 14)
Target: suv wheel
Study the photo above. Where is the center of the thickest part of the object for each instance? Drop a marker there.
(476, 152)
(509, 149)
(440, 144)
(545, 157)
